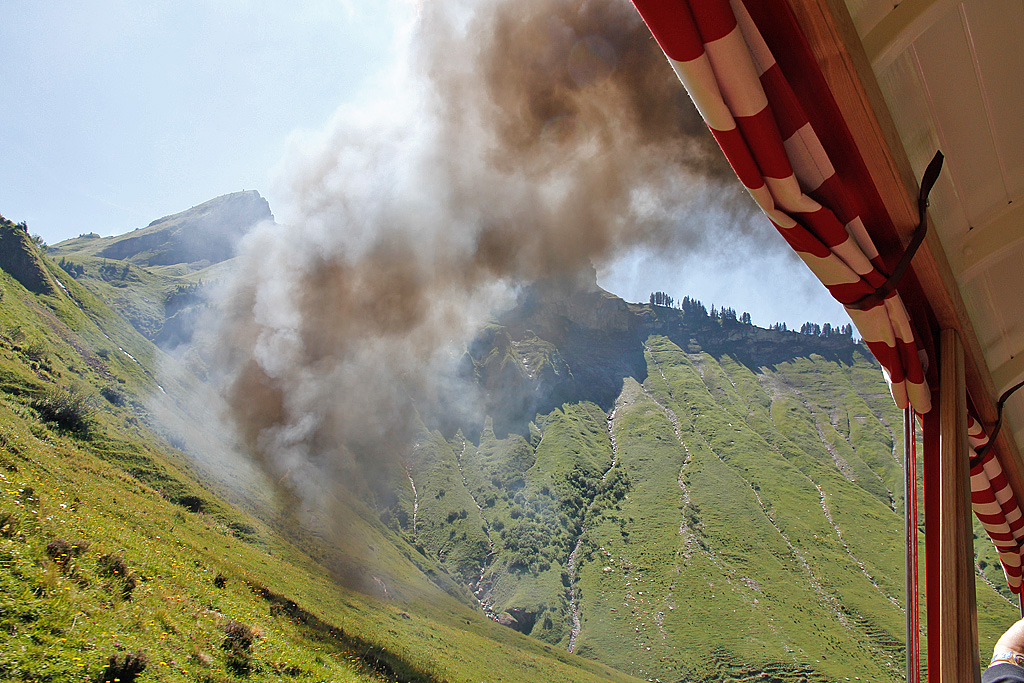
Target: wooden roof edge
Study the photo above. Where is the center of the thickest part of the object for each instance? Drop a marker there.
(837, 47)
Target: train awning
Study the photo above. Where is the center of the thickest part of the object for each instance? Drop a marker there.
(831, 113)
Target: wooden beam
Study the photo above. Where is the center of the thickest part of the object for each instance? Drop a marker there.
(958, 643)
(901, 27)
(1010, 372)
(843, 61)
(986, 243)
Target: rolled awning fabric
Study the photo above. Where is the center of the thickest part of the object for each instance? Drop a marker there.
(752, 76)
(996, 506)
(806, 182)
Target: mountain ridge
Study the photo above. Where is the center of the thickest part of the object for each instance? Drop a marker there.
(208, 232)
(571, 341)
(21, 261)
(156, 276)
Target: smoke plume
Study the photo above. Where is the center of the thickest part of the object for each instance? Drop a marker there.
(530, 139)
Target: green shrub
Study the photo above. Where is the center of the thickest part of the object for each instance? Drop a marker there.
(113, 394)
(69, 409)
(238, 639)
(242, 530)
(113, 565)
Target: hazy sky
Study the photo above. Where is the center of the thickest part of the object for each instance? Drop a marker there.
(116, 113)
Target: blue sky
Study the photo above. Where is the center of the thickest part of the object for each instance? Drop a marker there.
(116, 113)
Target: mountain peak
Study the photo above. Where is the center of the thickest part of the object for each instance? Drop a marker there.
(206, 233)
(247, 204)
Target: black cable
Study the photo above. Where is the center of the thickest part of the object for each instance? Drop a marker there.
(999, 419)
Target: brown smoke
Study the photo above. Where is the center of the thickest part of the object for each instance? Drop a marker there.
(568, 72)
(537, 137)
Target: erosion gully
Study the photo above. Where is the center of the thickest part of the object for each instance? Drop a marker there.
(573, 565)
(477, 586)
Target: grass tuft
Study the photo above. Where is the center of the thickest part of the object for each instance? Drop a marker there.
(8, 524)
(114, 566)
(238, 640)
(69, 409)
(123, 667)
(63, 552)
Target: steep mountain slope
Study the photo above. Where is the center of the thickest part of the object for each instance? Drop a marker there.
(154, 276)
(207, 233)
(121, 556)
(716, 517)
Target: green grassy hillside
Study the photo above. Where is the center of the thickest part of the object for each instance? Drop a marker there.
(121, 557)
(719, 519)
(155, 276)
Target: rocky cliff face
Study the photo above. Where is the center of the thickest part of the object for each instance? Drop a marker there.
(569, 341)
(19, 259)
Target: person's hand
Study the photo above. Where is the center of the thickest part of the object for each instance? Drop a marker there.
(1013, 639)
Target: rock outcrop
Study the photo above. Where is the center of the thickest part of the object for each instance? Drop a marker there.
(20, 259)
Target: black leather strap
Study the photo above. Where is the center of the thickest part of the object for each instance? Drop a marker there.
(876, 297)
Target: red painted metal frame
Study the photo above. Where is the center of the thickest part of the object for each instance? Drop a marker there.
(933, 614)
(910, 521)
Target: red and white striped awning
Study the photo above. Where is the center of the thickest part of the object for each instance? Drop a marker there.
(995, 505)
(766, 132)
(752, 76)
